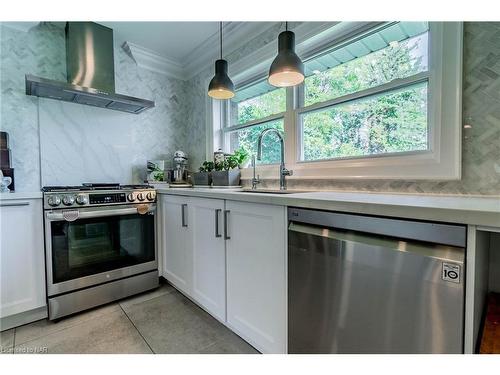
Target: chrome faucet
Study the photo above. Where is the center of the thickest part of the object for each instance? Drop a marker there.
(255, 180)
(283, 171)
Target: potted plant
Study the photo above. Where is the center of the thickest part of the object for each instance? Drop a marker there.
(157, 174)
(226, 172)
(204, 177)
(242, 157)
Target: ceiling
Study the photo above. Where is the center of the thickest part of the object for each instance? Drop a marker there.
(173, 40)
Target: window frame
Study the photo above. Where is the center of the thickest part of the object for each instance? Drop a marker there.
(442, 159)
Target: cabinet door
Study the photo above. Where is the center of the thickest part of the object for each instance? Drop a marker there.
(22, 257)
(209, 255)
(256, 278)
(176, 241)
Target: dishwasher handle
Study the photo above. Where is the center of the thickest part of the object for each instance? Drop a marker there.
(442, 233)
(444, 252)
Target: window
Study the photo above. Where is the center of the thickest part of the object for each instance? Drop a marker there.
(372, 104)
(368, 62)
(380, 101)
(253, 109)
(246, 108)
(392, 122)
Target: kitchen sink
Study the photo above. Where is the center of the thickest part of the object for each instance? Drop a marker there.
(271, 191)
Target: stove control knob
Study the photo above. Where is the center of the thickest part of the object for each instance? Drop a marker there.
(68, 200)
(140, 196)
(54, 200)
(82, 199)
(130, 197)
(151, 196)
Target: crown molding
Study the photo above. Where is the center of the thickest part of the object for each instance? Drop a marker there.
(150, 60)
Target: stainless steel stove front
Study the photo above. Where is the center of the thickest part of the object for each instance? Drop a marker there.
(89, 247)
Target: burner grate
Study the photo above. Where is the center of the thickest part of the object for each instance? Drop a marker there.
(101, 186)
(95, 186)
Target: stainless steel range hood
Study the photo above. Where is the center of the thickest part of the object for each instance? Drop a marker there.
(90, 72)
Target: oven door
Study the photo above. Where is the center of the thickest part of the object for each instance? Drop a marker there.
(90, 246)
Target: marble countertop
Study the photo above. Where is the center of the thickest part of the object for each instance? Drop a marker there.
(21, 195)
(474, 210)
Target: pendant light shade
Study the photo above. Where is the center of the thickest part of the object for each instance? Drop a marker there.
(287, 69)
(221, 86)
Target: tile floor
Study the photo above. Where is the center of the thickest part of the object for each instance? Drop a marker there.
(160, 321)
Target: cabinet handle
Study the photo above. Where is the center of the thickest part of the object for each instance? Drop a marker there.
(16, 204)
(226, 217)
(183, 215)
(217, 212)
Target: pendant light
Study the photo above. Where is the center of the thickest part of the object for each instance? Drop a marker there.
(221, 86)
(287, 69)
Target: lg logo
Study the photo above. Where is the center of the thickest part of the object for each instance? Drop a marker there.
(451, 272)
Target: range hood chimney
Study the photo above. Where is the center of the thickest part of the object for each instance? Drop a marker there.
(90, 72)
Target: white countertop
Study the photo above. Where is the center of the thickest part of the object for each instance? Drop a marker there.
(476, 210)
(21, 195)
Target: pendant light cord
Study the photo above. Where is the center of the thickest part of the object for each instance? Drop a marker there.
(221, 40)
(286, 25)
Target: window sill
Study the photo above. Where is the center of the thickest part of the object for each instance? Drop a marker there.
(421, 166)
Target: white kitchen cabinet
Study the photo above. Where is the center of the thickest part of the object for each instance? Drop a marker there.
(230, 258)
(208, 254)
(193, 255)
(22, 261)
(176, 242)
(256, 274)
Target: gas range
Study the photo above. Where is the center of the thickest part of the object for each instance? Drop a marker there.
(89, 195)
(100, 244)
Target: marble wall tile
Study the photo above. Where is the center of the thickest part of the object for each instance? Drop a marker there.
(41, 52)
(57, 143)
(86, 144)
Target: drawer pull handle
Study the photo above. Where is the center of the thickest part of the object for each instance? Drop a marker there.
(217, 212)
(226, 219)
(16, 204)
(183, 215)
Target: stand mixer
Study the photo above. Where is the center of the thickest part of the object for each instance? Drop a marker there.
(180, 170)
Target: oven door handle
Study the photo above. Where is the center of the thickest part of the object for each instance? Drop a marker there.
(72, 215)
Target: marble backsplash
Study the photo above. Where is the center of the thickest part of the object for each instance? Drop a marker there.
(481, 110)
(38, 52)
(56, 143)
(86, 144)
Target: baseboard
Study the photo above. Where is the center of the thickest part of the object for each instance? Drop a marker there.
(25, 317)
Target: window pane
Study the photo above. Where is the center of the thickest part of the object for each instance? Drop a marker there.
(247, 139)
(393, 122)
(399, 59)
(257, 106)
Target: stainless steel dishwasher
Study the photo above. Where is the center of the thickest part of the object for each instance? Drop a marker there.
(362, 284)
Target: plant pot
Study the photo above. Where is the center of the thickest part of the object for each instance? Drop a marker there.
(245, 164)
(226, 178)
(202, 178)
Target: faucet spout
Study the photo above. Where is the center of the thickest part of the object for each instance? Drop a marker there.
(283, 171)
